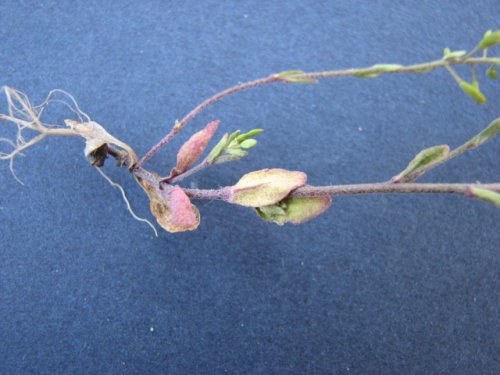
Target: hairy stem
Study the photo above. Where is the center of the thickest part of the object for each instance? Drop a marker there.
(416, 68)
(179, 125)
(357, 189)
(204, 164)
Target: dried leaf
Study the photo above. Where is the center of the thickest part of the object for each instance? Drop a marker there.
(296, 210)
(96, 136)
(266, 187)
(172, 208)
(191, 151)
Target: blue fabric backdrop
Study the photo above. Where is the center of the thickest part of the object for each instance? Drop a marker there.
(379, 284)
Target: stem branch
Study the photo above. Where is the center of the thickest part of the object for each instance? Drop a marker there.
(416, 68)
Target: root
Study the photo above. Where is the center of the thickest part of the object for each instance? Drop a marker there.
(27, 117)
(124, 196)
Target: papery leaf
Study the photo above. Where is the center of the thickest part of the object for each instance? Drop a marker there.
(191, 151)
(265, 187)
(171, 208)
(486, 195)
(473, 91)
(424, 157)
(296, 210)
(488, 133)
(96, 137)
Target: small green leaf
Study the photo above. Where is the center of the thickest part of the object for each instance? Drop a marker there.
(236, 151)
(270, 212)
(491, 72)
(423, 158)
(387, 68)
(249, 134)
(265, 187)
(296, 210)
(232, 147)
(490, 39)
(368, 74)
(218, 149)
(289, 76)
(377, 70)
(473, 92)
(486, 195)
(248, 143)
(488, 133)
(449, 55)
(287, 73)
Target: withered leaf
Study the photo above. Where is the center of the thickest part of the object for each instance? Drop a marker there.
(172, 208)
(266, 187)
(96, 136)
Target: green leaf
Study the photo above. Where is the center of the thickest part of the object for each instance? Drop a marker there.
(269, 212)
(265, 187)
(289, 76)
(473, 91)
(249, 134)
(490, 39)
(287, 73)
(377, 70)
(248, 143)
(423, 158)
(486, 195)
(387, 68)
(488, 133)
(491, 72)
(368, 74)
(296, 210)
(449, 55)
(218, 149)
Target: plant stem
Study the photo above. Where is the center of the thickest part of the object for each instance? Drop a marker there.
(204, 164)
(357, 189)
(179, 125)
(416, 68)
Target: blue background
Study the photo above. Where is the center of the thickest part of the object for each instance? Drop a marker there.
(378, 284)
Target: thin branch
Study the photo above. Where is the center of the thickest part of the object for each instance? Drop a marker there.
(363, 72)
